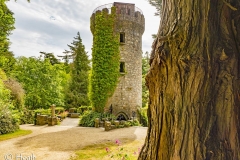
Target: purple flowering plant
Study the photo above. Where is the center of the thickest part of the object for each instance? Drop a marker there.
(120, 155)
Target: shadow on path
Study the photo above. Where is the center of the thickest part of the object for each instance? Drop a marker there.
(78, 137)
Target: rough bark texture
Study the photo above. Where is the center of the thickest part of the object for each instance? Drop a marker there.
(194, 106)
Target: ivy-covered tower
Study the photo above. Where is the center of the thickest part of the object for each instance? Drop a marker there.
(129, 25)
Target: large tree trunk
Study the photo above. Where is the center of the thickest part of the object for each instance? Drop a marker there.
(194, 106)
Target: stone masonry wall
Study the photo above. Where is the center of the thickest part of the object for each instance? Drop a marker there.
(128, 94)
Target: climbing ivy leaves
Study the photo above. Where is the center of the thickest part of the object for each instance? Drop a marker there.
(105, 59)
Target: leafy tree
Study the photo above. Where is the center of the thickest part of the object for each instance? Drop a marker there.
(66, 58)
(53, 60)
(7, 122)
(6, 26)
(17, 93)
(4, 92)
(194, 84)
(43, 82)
(78, 88)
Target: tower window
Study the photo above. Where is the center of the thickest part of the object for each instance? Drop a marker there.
(122, 37)
(129, 11)
(122, 67)
(136, 14)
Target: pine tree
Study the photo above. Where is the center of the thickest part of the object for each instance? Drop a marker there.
(78, 88)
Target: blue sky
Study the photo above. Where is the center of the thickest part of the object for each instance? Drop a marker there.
(48, 26)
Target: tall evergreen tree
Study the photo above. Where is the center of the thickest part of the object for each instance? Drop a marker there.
(78, 88)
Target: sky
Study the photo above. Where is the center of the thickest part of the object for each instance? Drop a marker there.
(49, 25)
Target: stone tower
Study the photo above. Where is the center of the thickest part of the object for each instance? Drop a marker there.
(127, 97)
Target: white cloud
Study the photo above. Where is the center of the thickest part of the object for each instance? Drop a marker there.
(50, 25)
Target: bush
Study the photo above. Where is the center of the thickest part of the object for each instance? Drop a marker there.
(135, 123)
(143, 116)
(72, 110)
(127, 124)
(43, 111)
(83, 109)
(88, 118)
(59, 110)
(63, 114)
(8, 123)
(25, 116)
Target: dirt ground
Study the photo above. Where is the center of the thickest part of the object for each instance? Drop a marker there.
(60, 142)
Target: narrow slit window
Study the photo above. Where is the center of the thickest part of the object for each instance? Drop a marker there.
(122, 67)
(122, 38)
(136, 14)
(129, 11)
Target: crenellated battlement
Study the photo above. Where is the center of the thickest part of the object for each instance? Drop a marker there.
(124, 11)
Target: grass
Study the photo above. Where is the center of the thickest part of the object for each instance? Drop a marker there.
(98, 151)
(18, 133)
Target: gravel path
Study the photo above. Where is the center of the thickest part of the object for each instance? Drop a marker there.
(60, 142)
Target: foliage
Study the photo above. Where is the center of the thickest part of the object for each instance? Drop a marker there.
(143, 116)
(43, 111)
(7, 19)
(157, 4)
(43, 82)
(145, 68)
(82, 109)
(105, 59)
(17, 92)
(127, 124)
(4, 92)
(16, 134)
(135, 122)
(105, 151)
(121, 152)
(59, 110)
(24, 116)
(76, 94)
(88, 118)
(6, 26)
(53, 60)
(63, 114)
(8, 123)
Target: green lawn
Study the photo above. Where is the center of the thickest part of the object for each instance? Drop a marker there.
(129, 150)
(18, 133)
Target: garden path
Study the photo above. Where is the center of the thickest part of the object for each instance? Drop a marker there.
(60, 142)
(70, 122)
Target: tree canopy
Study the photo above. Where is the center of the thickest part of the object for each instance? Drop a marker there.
(6, 26)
